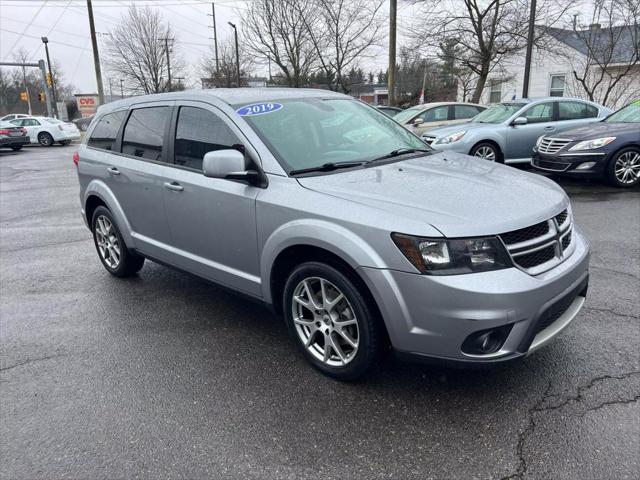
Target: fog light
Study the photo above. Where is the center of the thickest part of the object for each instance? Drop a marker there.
(585, 166)
(485, 342)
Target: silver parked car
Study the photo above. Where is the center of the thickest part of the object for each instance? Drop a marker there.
(345, 223)
(422, 118)
(507, 132)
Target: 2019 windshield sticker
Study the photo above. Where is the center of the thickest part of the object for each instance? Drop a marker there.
(258, 109)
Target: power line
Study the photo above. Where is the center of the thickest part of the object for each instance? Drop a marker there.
(36, 37)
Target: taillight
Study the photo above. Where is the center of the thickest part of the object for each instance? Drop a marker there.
(4, 131)
(76, 158)
(23, 130)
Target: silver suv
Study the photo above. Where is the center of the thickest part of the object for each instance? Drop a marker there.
(345, 223)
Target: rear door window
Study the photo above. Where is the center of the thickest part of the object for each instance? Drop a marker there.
(436, 114)
(465, 111)
(200, 131)
(144, 133)
(106, 131)
(576, 110)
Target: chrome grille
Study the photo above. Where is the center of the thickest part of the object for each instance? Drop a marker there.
(428, 139)
(540, 247)
(552, 145)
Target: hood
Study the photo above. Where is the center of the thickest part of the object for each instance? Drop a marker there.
(448, 130)
(457, 194)
(597, 130)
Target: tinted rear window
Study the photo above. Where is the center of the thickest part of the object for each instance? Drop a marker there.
(106, 131)
(144, 133)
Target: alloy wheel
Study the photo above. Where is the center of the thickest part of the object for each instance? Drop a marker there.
(325, 321)
(627, 168)
(45, 139)
(485, 152)
(107, 241)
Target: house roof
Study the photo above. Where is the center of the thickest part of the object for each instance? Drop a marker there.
(609, 44)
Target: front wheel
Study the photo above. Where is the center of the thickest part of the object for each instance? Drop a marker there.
(113, 252)
(487, 151)
(333, 323)
(45, 139)
(624, 168)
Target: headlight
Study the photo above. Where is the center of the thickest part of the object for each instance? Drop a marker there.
(454, 137)
(454, 256)
(591, 144)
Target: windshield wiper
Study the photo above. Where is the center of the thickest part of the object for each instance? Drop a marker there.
(398, 152)
(326, 167)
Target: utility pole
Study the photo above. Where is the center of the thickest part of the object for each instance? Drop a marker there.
(235, 32)
(121, 89)
(110, 90)
(166, 50)
(96, 55)
(391, 76)
(26, 89)
(215, 35)
(45, 40)
(179, 79)
(527, 59)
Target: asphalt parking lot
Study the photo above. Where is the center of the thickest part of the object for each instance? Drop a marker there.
(164, 375)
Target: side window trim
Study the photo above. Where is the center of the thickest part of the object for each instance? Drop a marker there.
(451, 113)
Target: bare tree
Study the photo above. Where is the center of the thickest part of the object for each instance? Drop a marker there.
(226, 75)
(612, 56)
(343, 32)
(277, 31)
(136, 51)
(485, 31)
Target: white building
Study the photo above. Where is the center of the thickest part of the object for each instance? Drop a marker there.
(566, 52)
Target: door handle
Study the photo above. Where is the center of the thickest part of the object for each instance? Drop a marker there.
(175, 186)
(549, 128)
(113, 171)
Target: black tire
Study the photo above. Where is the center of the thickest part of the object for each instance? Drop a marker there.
(65, 142)
(84, 126)
(371, 333)
(129, 262)
(45, 139)
(611, 168)
(487, 145)
(15, 148)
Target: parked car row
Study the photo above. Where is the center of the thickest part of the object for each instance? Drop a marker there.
(46, 131)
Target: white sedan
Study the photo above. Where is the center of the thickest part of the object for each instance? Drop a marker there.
(46, 131)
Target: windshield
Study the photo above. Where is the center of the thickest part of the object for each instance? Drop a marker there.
(311, 132)
(497, 113)
(407, 114)
(628, 114)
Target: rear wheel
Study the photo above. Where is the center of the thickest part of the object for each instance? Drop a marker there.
(15, 148)
(487, 151)
(65, 142)
(334, 325)
(45, 139)
(624, 168)
(113, 253)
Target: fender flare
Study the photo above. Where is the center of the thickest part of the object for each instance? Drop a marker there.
(344, 243)
(99, 189)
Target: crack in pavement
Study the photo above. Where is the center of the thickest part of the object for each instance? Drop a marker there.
(538, 407)
(613, 270)
(45, 245)
(32, 360)
(613, 312)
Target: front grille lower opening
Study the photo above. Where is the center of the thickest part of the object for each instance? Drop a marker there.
(536, 258)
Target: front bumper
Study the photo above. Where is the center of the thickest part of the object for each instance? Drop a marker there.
(431, 316)
(569, 163)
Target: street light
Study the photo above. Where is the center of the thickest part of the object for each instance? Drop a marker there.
(235, 31)
(45, 40)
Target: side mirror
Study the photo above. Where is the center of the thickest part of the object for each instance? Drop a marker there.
(417, 122)
(519, 121)
(230, 164)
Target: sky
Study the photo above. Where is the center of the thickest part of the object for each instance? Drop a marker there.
(66, 24)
